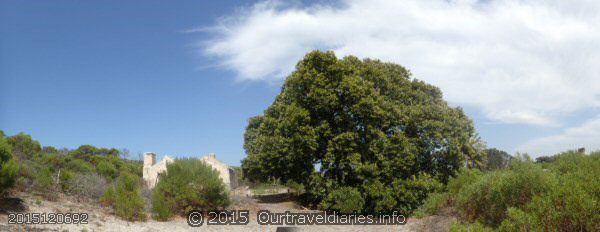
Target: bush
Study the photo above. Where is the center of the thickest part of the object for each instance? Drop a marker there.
(66, 179)
(562, 193)
(475, 227)
(464, 178)
(107, 169)
(188, 184)
(108, 198)
(79, 165)
(411, 192)
(87, 185)
(42, 179)
(24, 146)
(128, 203)
(344, 200)
(433, 203)
(297, 188)
(489, 198)
(571, 203)
(8, 167)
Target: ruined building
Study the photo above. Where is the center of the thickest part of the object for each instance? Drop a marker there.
(152, 169)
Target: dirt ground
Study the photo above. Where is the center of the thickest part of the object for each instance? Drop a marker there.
(102, 219)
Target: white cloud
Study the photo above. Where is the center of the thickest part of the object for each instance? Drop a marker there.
(586, 135)
(517, 61)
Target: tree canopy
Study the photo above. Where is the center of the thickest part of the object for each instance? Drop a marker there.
(367, 126)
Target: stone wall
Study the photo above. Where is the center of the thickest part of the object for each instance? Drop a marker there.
(151, 169)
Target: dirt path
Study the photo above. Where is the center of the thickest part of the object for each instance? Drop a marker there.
(101, 219)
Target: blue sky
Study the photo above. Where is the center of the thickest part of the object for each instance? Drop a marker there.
(182, 78)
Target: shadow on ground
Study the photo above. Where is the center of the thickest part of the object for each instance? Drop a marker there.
(275, 198)
(12, 205)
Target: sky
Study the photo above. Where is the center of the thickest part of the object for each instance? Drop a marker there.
(182, 78)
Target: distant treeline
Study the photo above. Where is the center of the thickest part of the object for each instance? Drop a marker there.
(104, 176)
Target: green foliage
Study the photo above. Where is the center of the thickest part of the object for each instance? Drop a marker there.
(42, 179)
(188, 184)
(296, 188)
(24, 146)
(433, 203)
(163, 207)
(474, 227)
(561, 193)
(66, 179)
(572, 202)
(107, 169)
(86, 152)
(128, 203)
(267, 188)
(49, 150)
(8, 167)
(490, 197)
(109, 196)
(48, 170)
(79, 165)
(465, 177)
(344, 200)
(367, 123)
(411, 192)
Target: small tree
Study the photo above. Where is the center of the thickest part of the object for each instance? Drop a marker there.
(24, 146)
(188, 184)
(129, 203)
(8, 167)
(107, 169)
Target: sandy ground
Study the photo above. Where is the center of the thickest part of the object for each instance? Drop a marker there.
(102, 219)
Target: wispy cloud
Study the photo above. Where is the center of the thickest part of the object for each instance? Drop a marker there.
(517, 61)
(586, 135)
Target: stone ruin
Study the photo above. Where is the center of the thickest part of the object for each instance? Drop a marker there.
(152, 169)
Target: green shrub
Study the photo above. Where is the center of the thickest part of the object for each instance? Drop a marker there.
(51, 160)
(107, 169)
(24, 146)
(45, 182)
(562, 193)
(131, 166)
(464, 178)
(295, 187)
(475, 227)
(8, 167)
(163, 207)
(344, 200)
(431, 205)
(188, 184)
(129, 203)
(489, 198)
(42, 179)
(571, 204)
(411, 192)
(108, 198)
(66, 179)
(79, 165)
(378, 198)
